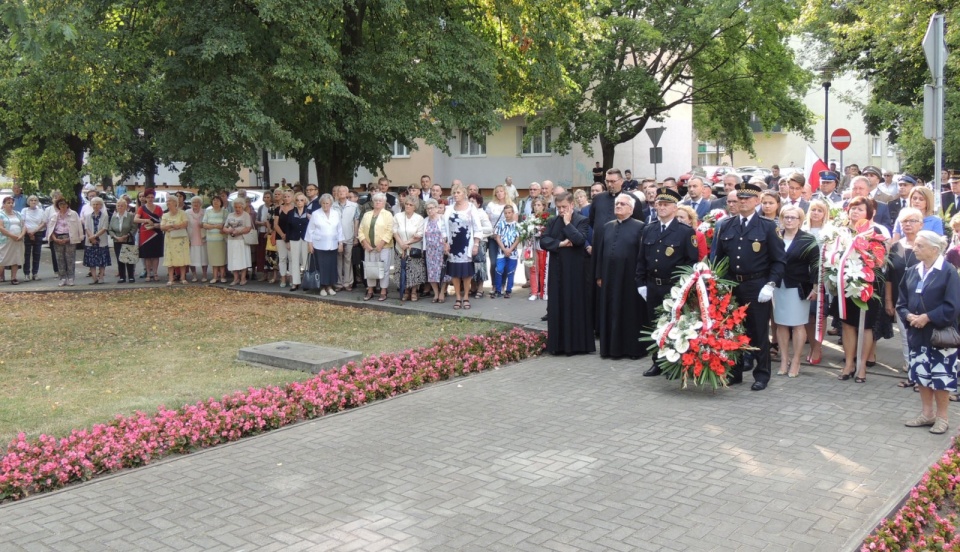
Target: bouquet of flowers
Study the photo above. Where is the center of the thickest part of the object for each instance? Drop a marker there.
(709, 223)
(700, 333)
(852, 263)
(532, 226)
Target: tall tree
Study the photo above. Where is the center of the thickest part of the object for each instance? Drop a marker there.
(881, 41)
(640, 58)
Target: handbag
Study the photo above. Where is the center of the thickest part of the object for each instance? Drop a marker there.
(129, 254)
(415, 253)
(943, 338)
(374, 270)
(311, 278)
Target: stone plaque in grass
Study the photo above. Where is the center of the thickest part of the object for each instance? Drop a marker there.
(298, 356)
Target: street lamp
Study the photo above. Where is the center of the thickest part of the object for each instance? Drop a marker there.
(826, 121)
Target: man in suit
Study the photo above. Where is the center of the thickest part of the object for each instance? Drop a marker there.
(695, 197)
(667, 245)
(795, 192)
(828, 188)
(730, 182)
(425, 184)
(755, 254)
(950, 201)
(860, 187)
(904, 186)
(874, 176)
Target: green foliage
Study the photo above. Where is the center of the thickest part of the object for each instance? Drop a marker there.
(881, 42)
(131, 86)
(637, 59)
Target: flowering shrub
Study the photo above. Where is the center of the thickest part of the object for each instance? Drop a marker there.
(928, 518)
(48, 463)
(700, 334)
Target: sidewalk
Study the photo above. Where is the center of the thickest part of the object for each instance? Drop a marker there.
(550, 454)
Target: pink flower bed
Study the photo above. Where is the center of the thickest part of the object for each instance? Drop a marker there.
(48, 463)
(927, 521)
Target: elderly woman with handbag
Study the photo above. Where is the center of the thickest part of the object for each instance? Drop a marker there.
(376, 237)
(176, 241)
(96, 253)
(122, 230)
(928, 305)
(408, 229)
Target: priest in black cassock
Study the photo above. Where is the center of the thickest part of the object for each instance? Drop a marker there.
(668, 245)
(570, 302)
(621, 312)
(601, 207)
(601, 212)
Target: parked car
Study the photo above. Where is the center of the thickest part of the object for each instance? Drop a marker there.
(254, 196)
(746, 173)
(109, 201)
(712, 173)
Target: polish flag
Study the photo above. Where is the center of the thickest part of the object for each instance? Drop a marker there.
(813, 165)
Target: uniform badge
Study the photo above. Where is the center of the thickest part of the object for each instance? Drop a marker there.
(756, 247)
(668, 251)
(693, 240)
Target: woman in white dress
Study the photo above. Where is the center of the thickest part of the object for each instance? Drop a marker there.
(238, 225)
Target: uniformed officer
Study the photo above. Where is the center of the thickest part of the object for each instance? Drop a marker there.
(755, 256)
(828, 188)
(667, 244)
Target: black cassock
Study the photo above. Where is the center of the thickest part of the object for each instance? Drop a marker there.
(570, 302)
(621, 312)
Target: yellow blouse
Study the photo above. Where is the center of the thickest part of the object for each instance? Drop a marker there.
(383, 230)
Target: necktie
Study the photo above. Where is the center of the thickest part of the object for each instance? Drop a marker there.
(663, 228)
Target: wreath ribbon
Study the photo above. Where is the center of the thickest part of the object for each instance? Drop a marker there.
(697, 281)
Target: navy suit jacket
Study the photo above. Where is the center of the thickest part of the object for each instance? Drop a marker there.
(702, 208)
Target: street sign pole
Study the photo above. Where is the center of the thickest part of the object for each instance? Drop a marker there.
(935, 50)
(655, 152)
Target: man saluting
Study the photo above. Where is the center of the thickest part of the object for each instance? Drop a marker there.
(667, 245)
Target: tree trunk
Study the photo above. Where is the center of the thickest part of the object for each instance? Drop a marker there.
(304, 172)
(265, 159)
(607, 150)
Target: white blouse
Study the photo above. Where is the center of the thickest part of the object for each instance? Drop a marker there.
(324, 231)
(407, 228)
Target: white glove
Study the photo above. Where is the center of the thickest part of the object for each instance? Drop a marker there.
(642, 290)
(766, 294)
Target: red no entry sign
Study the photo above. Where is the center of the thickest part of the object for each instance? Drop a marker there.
(840, 139)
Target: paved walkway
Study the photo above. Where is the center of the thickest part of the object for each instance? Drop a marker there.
(549, 454)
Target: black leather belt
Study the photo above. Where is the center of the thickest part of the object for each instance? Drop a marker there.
(662, 281)
(746, 277)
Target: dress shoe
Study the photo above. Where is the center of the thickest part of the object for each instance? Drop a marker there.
(653, 371)
(758, 386)
(544, 318)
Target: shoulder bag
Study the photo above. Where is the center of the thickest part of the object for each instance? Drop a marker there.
(943, 338)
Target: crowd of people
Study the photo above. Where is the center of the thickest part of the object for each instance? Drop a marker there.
(602, 258)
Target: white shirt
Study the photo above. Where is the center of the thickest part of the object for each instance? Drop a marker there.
(33, 218)
(324, 231)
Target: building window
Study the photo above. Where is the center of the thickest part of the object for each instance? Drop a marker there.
(539, 142)
(472, 145)
(877, 146)
(275, 156)
(399, 150)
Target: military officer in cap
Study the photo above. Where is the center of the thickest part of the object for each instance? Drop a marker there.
(828, 188)
(755, 257)
(666, 245)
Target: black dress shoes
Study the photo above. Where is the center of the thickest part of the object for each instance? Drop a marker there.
(758, 386)
(653, 371)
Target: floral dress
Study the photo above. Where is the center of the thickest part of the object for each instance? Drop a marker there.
(434, 238)
(95, 256)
